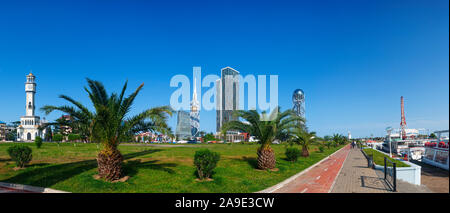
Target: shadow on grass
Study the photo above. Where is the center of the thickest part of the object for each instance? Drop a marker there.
(50, 175)
(131, 168)
(252, 161)
(196, 175)
(37, 165)
(5, 159)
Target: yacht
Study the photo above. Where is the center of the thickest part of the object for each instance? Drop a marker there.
(410, 148)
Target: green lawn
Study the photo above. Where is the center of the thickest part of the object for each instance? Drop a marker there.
(152, 169)
(378, 158)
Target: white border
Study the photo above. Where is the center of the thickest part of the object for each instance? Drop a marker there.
(30, 188)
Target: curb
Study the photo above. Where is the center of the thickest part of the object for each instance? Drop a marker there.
(279, 185)
(32, 189)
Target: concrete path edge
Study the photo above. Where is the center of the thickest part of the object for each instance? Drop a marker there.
(32, 189)
(283, 183)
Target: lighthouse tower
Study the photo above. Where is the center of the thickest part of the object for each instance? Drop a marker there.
(28, 129)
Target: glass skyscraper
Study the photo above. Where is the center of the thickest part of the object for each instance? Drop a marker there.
(183, 130)
(227, 99)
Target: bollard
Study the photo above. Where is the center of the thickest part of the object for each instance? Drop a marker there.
(370, 161)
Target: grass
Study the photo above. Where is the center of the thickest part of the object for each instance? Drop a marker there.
(70, 167)
(378, 158)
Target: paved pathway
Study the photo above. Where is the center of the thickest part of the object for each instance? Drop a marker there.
(19, 188)
(12, 190)
(356, 177)
(320, 178)
(159, 145)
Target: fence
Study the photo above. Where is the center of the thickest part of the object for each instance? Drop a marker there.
(390, 173)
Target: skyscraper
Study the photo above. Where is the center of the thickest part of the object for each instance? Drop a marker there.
(195, 115)
(28, 129)
(183, 130)
(227, 99)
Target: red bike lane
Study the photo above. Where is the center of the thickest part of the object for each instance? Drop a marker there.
(320, 178)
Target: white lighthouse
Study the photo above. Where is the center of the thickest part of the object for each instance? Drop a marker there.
(28, 129)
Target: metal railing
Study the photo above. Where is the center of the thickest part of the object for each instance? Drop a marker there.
(390, 173)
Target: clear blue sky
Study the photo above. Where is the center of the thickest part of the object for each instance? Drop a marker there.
(353, 59)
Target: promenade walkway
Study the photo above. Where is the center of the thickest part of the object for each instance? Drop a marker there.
(318, 179)
(356, 177)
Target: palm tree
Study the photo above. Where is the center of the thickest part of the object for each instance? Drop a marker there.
(304, 138)
(266, 128)
(328, 141)
(109, 123)
(81, 119)
(336, 139)
(339, 139)
(202, 133)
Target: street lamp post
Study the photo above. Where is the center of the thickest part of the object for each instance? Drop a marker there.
(390, 147)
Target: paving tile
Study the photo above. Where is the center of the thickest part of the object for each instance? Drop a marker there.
(320, 178)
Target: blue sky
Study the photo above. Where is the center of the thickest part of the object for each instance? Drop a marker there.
(353, 59)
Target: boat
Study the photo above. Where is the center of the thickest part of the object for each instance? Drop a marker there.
(436, 152)
(409, 148)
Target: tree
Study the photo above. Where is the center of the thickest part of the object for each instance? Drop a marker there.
(38, 142)
(304, 138)
(266, 128)
(171, 136)
(110, 123)
(202, 133)
(81, 119)
(432, 135)
(209, 137)
(48, 134)
(11, 136)
(339, 139)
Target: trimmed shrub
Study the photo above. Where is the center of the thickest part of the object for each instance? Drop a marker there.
(321, 148)
(58, 137)
(21, 154)
(205, 161)
(38, 142)
(292, 154)
(73, 137)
